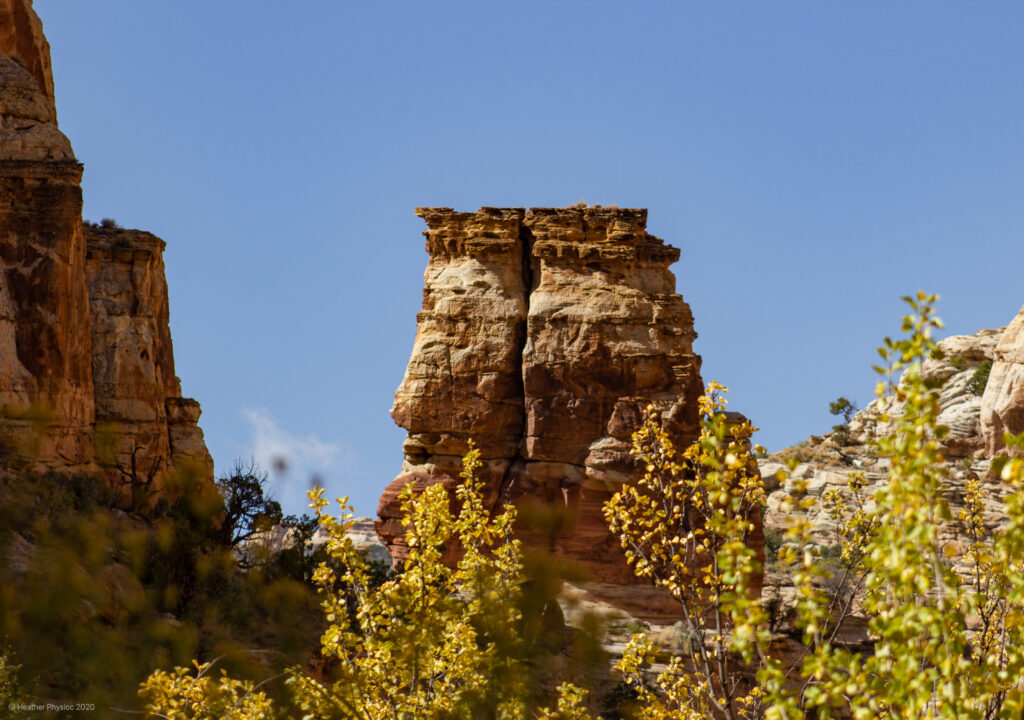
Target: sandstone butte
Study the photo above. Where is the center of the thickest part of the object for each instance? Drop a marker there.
(543, 336)
(86, 363)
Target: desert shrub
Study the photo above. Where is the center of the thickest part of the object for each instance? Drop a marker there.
(979, 379)
(841, 432)
(433, 641)
(248, 507)
(945, 618)
(93, 597)
(772, 542)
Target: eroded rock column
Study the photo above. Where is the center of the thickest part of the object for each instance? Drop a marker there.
(543, 335)
(606, 336)
(133, 359)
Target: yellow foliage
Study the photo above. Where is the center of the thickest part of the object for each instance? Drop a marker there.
(442, 642)
(434, 641)
(686, 524)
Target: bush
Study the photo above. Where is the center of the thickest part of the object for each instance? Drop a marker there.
(945, 619)
(92, 598)
(434, 641)
(979, 379)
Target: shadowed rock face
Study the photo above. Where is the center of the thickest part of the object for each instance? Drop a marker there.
(542, 337)
(1002, 405)
(86, 364)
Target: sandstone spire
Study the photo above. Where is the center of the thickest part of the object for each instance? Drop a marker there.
(542, 337)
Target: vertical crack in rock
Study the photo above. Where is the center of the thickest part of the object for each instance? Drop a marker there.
(517, 463)
(561, 325)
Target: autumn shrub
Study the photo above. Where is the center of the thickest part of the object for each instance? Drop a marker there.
(687, 524)
(945, 618)
(433, 641)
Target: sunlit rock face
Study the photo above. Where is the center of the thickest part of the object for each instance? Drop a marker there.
(1002, 405)
(542, 337)
(139, 408)
(45, 344)
(86, 364)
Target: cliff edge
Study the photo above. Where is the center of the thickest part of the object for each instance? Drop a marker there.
(86, 365)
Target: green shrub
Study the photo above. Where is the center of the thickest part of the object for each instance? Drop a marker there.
(979, 379)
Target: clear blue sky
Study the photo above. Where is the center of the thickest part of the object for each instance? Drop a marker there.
(814, 162)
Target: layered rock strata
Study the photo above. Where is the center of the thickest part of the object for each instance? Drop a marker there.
(1002, 405)
(86, 366)
(543, 335)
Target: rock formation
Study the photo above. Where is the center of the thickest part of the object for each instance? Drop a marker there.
(1002, 405)
(542, 337)
(953, 368)
(86, 366)
(21, 38)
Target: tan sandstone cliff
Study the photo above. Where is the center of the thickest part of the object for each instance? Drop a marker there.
(86, 364)
(543, 335)
(1002, 405)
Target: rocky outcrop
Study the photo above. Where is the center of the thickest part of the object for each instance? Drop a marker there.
(542, 337)
(86, 365)
(139, 408)
(1002, 405)
(957, 369)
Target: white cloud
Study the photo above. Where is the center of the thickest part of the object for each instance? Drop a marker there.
(294, 462)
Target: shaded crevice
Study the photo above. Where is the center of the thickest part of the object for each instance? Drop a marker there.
(517, 463)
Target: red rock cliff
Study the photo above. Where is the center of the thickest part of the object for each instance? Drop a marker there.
(86, 365)
(543, 335)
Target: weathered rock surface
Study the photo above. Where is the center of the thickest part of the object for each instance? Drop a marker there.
(1002, 405)
(86, 364)
(46, 381)
(21, 38)
(542, 337)
(955, 367)
(139, 407)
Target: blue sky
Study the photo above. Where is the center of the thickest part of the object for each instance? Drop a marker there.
(813, 161)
